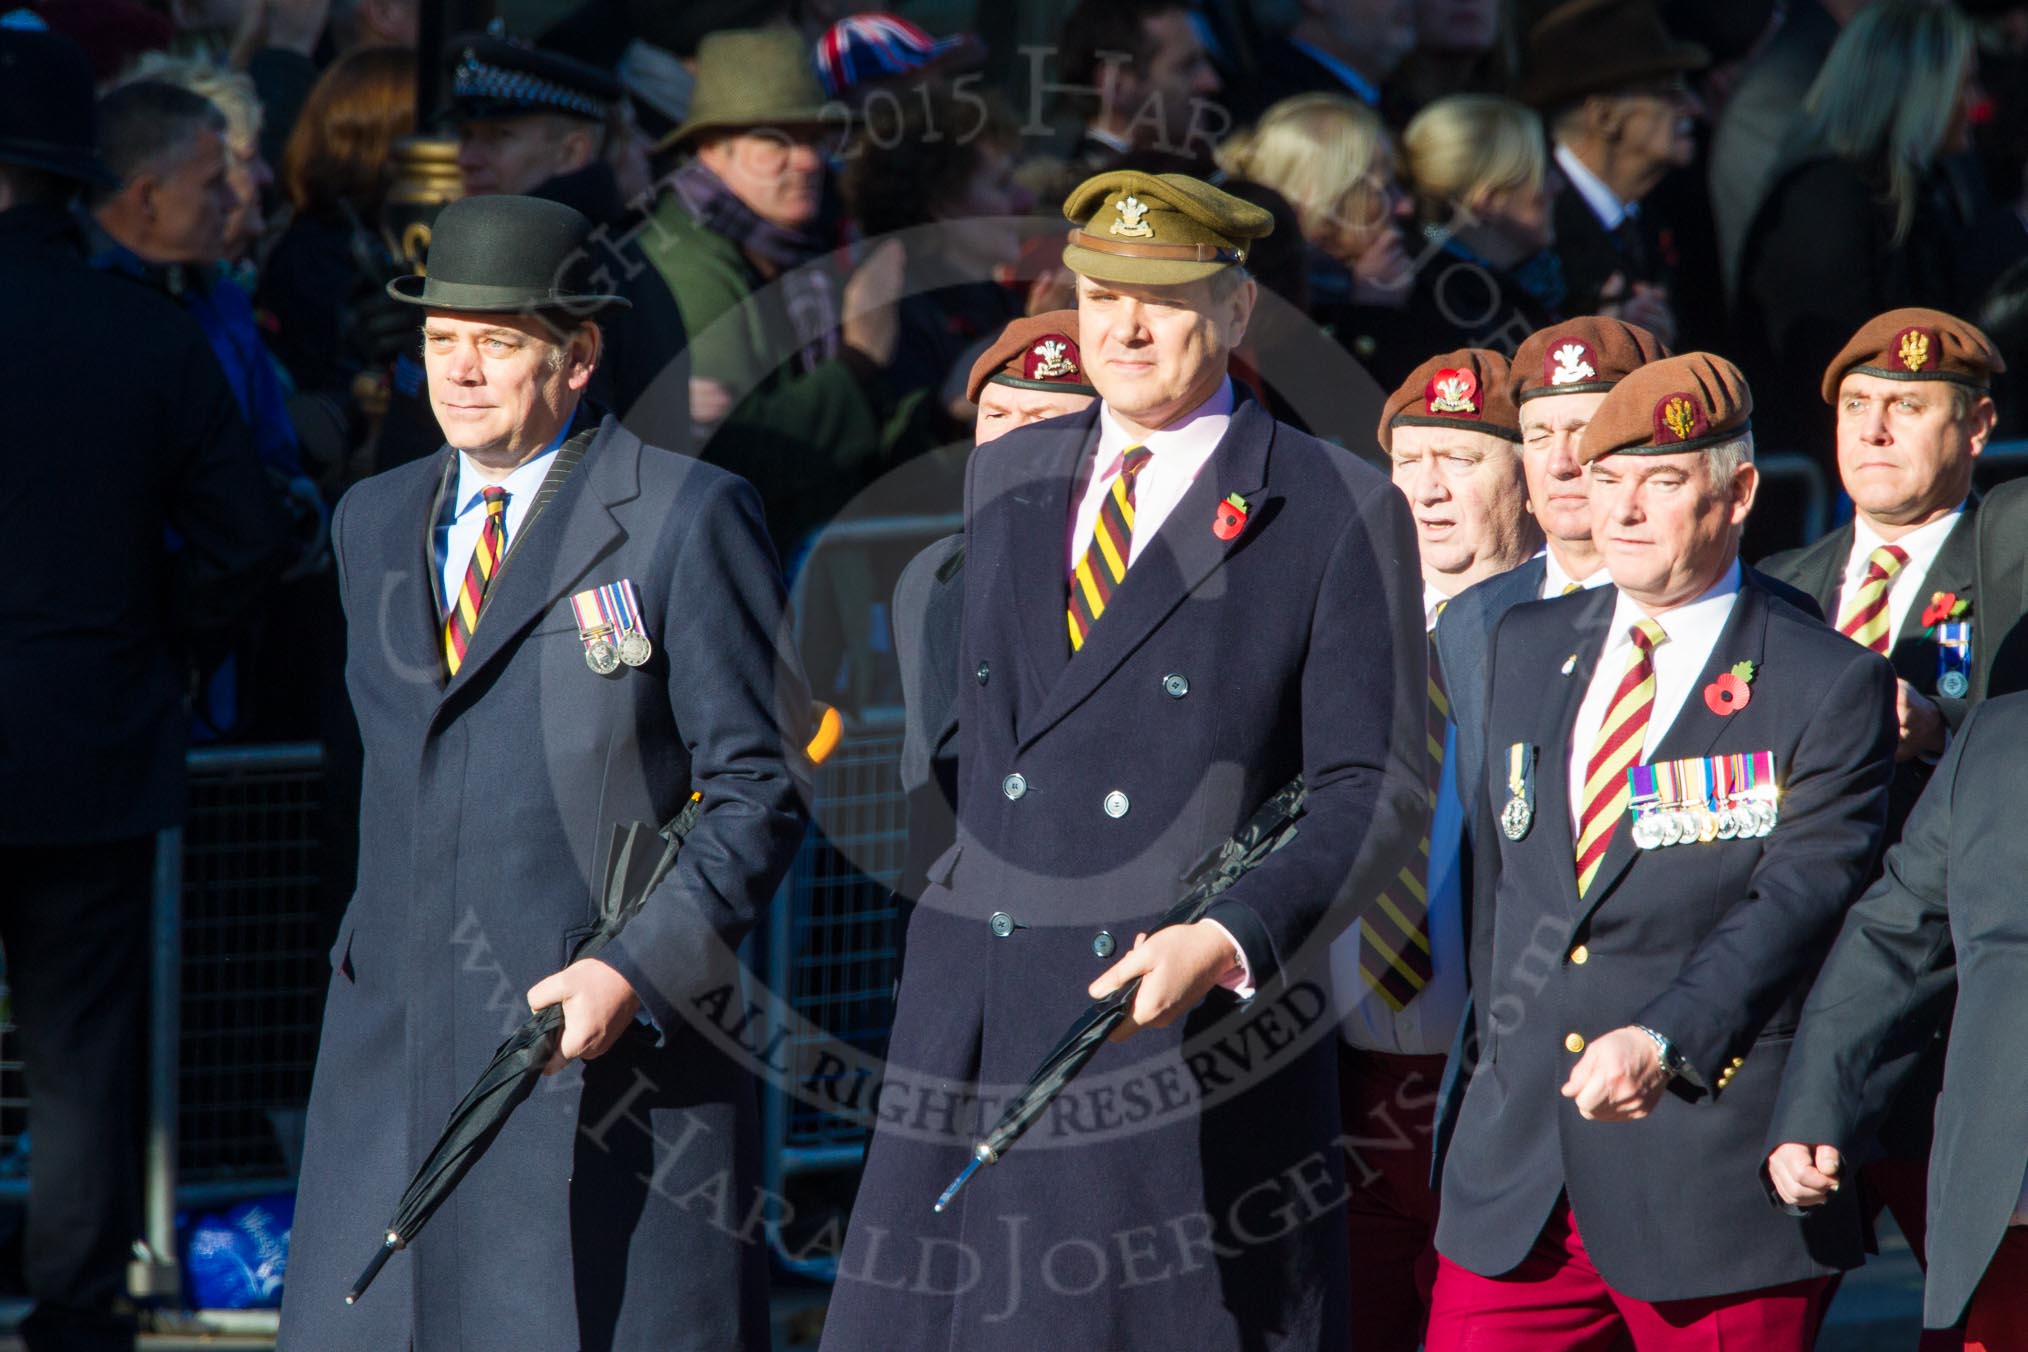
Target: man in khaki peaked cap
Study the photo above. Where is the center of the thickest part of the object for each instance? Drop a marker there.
(1911, 414)
(1688, 775)
(1173, 605)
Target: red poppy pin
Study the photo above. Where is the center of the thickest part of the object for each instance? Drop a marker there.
(1944, 606)
(1730, 693)
(1230, 518)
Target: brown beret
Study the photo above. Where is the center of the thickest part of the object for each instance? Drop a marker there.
(1916, 344)
(1035, 353)
(1686, 403)
(1588, 355)
(1465, 389)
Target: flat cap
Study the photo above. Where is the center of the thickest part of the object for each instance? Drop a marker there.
(1588, 355)
(1157, 229)
(1038, 352)
(1687, 403)
(1917, 344)
(494, 76)
(1466, 389)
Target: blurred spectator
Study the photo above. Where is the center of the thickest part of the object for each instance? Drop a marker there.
(1859, 219)
(1749, 134)
(97, 619)
(113, 33)
(232, 93)
(360, 24)
(1347, 47)
(788, 382)
(1480, 176)
(536, 123)
(321, 286)
(1461, 47)
(1153, 83)
(1613, 85)
(865, 52)
(950, 163)
(1329, 156)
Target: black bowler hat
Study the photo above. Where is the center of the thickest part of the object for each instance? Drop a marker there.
(493, 75)
(509, 255)
(46, 113)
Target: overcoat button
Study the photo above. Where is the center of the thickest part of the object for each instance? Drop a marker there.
(1176, 685)
(1002, 924)
(1573, 1042)
(985, 672)
(1102, 944)
(1014, 786)
(1117, 804)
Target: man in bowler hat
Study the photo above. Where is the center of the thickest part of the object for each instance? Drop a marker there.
(121, 431)
(554, 631)
(1688, 776)
(1173, 605)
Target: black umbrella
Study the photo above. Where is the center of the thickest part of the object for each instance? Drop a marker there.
(1271, 826)
(640, 858)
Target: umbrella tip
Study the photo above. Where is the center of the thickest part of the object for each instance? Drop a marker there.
(956, 1183)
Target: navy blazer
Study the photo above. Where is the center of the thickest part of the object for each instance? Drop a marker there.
(1712, 945)
(1087, 785)
(488, 807)
(1943, 926)
(1464, 642)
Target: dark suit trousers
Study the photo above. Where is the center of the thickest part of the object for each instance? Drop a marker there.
(74, 920)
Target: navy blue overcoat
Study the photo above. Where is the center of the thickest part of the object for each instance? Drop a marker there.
(1188, 1190)
(608, 1212)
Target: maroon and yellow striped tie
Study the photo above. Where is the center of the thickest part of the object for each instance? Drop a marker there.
(464, 616)
(1394, 954)
(1104, 565)
(1617, 746)
(1864, 616)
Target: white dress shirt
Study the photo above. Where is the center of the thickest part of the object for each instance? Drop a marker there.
(1603, 201)
(1179, 450)
(1693, 630)
(1426, 1025)
(1554, 579)
(457, 533)
(1903, 593)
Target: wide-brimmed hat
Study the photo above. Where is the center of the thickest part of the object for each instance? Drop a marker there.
(509, 255)
(46, 112)
(1590, 47)
(753, 77)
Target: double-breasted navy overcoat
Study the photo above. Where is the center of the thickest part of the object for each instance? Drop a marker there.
(1187, 1190)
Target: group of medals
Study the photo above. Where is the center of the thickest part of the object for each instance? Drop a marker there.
(1706, 798)
(609, 625)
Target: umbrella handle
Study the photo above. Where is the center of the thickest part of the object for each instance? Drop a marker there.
(373, 1268)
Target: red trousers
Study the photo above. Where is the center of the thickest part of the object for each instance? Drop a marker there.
(1555, 1301)
(1389, 1109)
(1998, 1321)
(1901, 1187)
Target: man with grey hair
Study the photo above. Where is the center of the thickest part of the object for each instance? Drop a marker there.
(1653, 932)
(121, 432)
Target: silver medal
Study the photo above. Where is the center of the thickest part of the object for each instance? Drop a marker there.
(1952, 685)
(1728, 822)
(1647, 833)
(1516, 817)
(635, 649)
(601, 657)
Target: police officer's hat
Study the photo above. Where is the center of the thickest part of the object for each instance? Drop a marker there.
(495, 76)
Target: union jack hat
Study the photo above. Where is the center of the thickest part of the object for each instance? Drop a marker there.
(868, 48)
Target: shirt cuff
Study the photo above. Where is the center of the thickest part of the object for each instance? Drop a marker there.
(1239, 977)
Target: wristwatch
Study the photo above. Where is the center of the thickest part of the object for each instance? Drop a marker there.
(1672, 1060)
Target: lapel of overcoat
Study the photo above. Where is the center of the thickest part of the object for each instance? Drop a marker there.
(1953, 569)
(1696, 729)
(1183, 553)
(1038, 525)
(565, 538)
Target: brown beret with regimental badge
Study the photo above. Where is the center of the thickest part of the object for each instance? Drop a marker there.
(1917, 344)
(1157, 229)
(1687, 403)
(1467, 389)
(1035, 353)
(1588, 355)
